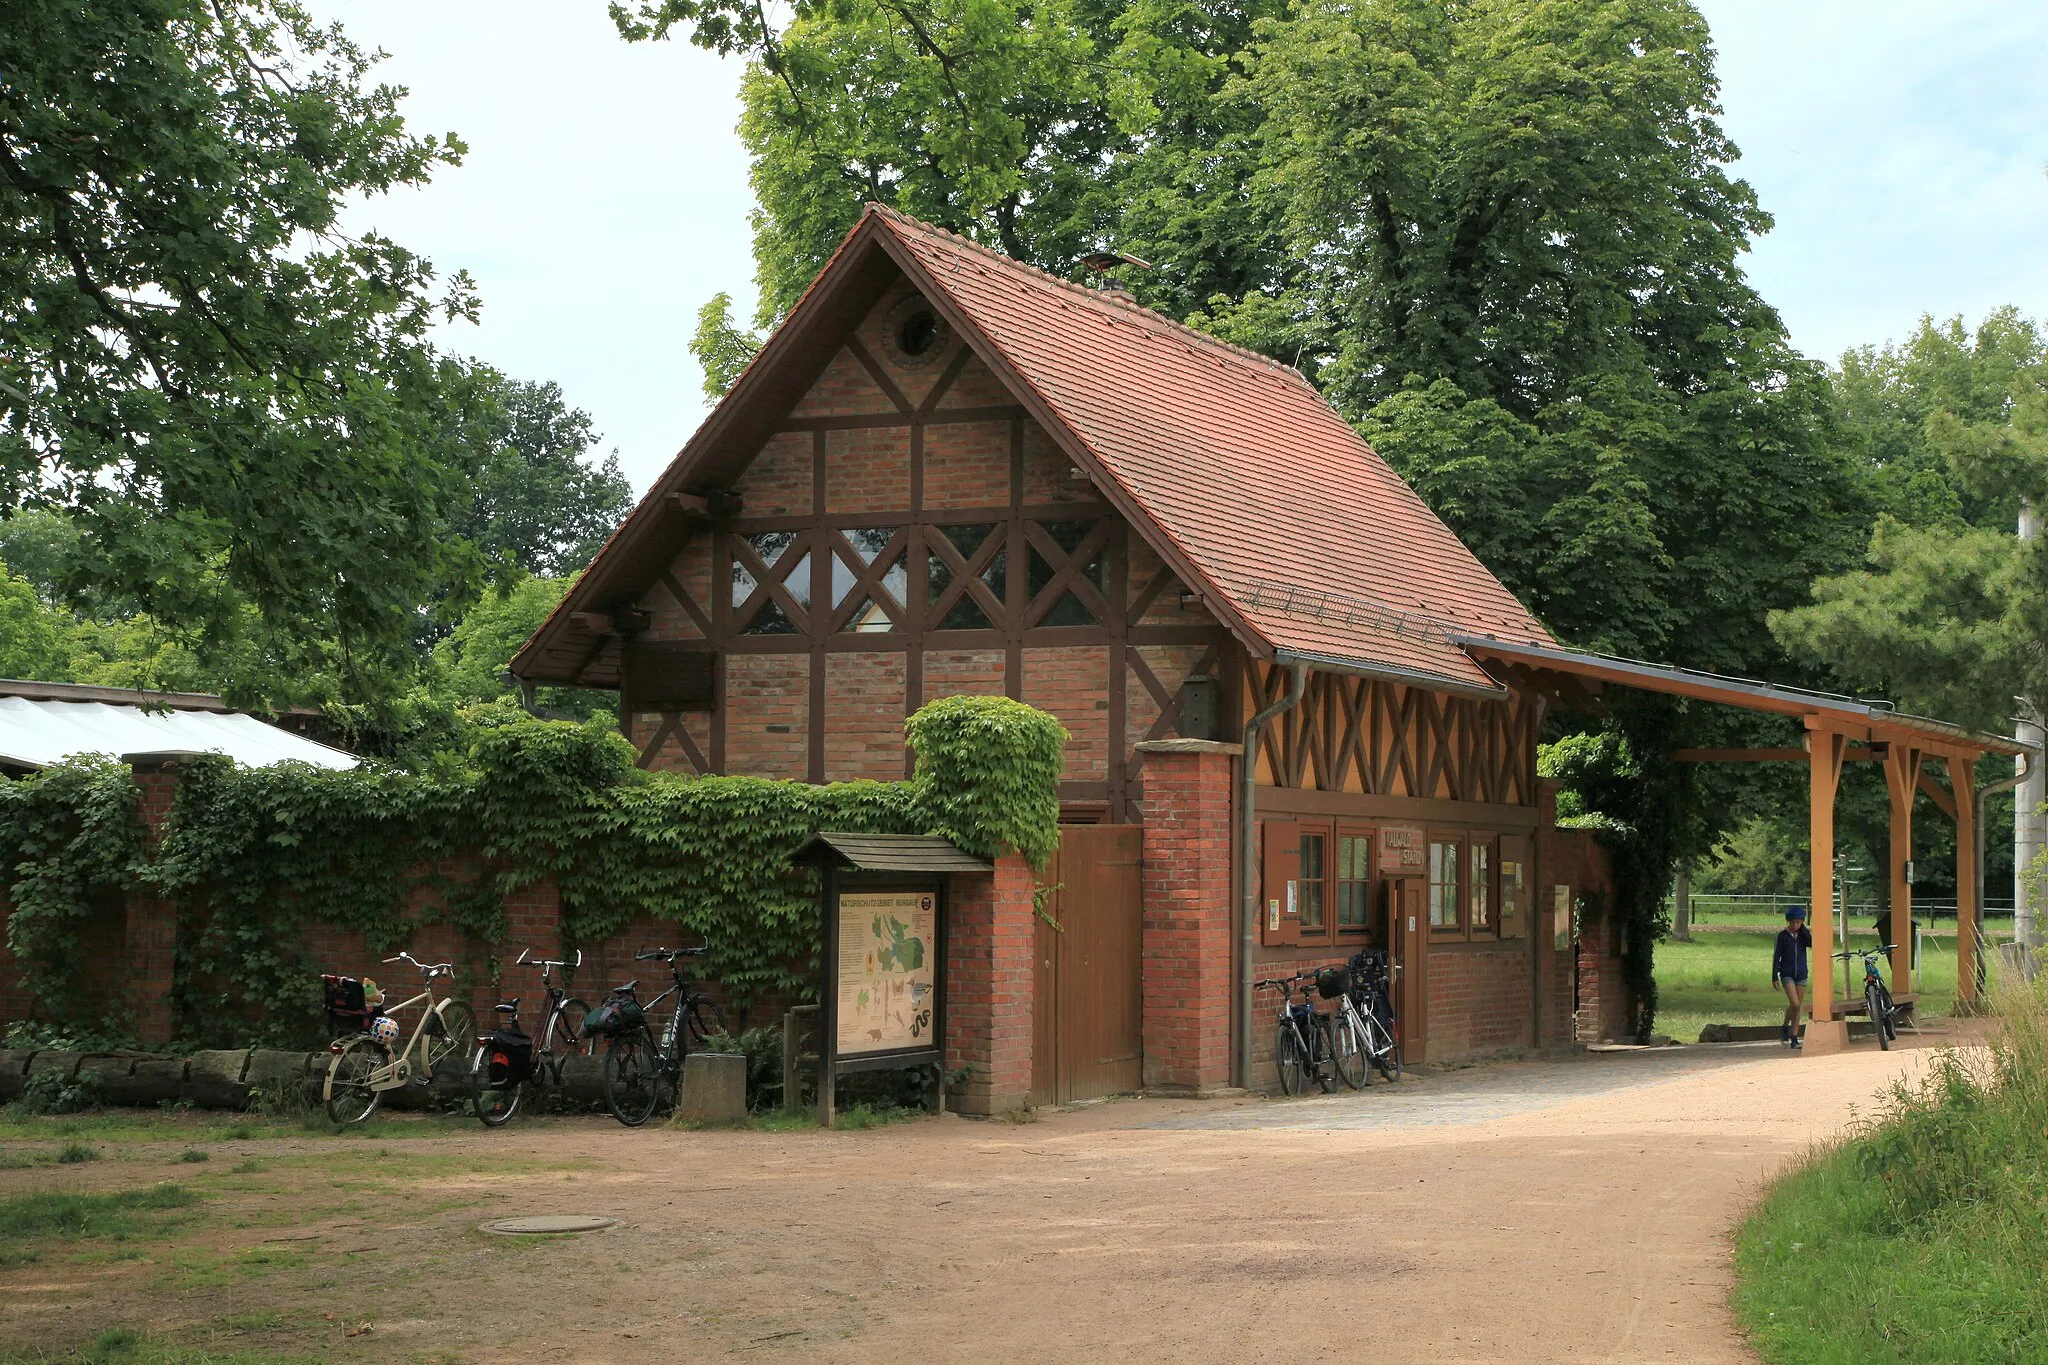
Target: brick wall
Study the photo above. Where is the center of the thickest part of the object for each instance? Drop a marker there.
(989, 987)
(1591, 969)
(1187, 915)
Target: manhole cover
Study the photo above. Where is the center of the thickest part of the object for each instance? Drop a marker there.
(550, 1222)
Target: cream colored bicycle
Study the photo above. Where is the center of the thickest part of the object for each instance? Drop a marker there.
(364, 1066)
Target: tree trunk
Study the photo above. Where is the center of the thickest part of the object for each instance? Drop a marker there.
(1681, 905)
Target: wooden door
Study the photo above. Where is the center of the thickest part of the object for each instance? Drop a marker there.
(1408, 937)
(1087, 1012)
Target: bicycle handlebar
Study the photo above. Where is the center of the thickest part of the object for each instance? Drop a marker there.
(1863, 952)
(546, 962)
(432, 969)
(667, 954)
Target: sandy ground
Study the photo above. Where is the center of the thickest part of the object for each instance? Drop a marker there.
(1574, 1210)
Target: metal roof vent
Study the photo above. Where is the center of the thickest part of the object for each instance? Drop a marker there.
(1103, 262)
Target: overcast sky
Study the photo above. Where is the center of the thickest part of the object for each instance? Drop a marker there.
(1901, 147)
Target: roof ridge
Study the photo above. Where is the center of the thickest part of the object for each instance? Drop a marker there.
(1171, 325)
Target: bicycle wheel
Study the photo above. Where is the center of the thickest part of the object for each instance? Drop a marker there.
(1289, 1061)
(446, 1043)
(1880, 1013)
(347, 1093)
(1349, 1050)
(496, 1102)
(1387, 1050)
(565, 1032)
(1891, 1014)
(632, 1078)
(1323, 1045)
(704, 1019)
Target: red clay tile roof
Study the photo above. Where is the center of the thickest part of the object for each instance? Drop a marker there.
(1305, 531)
(1264, 500)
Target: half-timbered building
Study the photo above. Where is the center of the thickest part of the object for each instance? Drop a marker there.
(948, 473)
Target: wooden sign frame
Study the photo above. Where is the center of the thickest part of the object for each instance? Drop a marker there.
(831, 1065)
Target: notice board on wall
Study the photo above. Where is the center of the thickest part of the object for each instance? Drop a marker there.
(888, 971)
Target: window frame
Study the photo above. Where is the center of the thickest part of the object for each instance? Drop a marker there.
(1454, 840)
(1322, 831)
(1369, 837)
(1479, 843)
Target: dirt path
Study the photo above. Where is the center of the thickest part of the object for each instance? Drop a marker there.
(1472, 1216)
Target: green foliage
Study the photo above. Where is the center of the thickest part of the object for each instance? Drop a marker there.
(722, 347)
(470, 664)
(988, 771)
(53, 1092)
(234, 397)
(1922, 1236)
(762, 1047)
(70, 849)
(251, 856)
(535, 500)
(1947, 616)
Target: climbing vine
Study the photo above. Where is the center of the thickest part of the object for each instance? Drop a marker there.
(70, 849)
(252, 859)
(1632, 808)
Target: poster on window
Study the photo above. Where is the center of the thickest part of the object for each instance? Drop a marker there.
(888, 944)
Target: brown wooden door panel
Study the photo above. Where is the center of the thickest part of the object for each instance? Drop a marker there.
(1045, 991)
(1408, 932)
(1094, 1011)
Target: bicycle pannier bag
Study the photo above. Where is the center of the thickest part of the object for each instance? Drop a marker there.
(347, 1011)
(511, 1057)
(1332, 982)
(613, 1017)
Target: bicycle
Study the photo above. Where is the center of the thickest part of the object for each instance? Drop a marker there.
(638, 1071)
(1303, 1039)
(1877, 998)
(364, 1067)
(498, 1080)
(1364, 1030)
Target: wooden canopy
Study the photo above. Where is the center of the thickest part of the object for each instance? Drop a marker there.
(1838, 730)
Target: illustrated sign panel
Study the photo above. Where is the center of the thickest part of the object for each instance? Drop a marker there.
(888, 949)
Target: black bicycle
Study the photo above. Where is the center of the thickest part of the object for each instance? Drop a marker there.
(506, 1063)
(1303, 1040)
(1365, 1030)
(639, 1071)
(1877, 998)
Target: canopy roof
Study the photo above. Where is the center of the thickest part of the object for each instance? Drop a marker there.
(1262, 499)
(1555, 670)
(889, 853)
(35, 733)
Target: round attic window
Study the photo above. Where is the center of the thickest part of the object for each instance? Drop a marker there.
(914, 335)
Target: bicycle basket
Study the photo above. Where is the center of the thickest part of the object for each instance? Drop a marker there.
(1332, 982)
(347, 1009)
(511, 1057)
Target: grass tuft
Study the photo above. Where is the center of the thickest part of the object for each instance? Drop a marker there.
(1924, 1236)
(72, 1153)
(86, 1215)
(193, 1154)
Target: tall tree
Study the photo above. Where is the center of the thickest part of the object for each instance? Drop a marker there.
(536, 497)
(233, 395)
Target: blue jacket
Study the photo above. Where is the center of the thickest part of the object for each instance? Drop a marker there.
(1788, 962)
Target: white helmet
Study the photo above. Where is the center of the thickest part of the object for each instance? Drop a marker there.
(384, 1029)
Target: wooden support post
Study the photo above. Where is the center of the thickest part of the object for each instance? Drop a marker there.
(828, 1002)
(1902, 783)
(1962, 780)
(1825, 751)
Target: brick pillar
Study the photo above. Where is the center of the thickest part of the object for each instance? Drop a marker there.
(150, 934)
(988, 987)
(1187, 918)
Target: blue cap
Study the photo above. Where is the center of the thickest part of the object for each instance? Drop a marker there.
(1795, 912)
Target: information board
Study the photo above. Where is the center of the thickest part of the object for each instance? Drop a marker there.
(888, 965)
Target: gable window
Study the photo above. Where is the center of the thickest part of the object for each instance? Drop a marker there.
(771, 583)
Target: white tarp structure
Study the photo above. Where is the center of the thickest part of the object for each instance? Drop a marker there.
(36, 733)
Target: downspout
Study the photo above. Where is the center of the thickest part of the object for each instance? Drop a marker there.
(1248, 832)
(1984, 794)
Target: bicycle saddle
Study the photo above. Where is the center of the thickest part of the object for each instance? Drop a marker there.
(512, 1008)
(626, 989)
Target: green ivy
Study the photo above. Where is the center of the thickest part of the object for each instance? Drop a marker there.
(250, 856)
(70, 849)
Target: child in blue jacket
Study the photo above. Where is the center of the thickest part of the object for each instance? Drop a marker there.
(1788, 969)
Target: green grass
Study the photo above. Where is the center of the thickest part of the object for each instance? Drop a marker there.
(119, 1126)
(32, 1219)
(1724, 977)
(1924, 1237)
(119, 1346)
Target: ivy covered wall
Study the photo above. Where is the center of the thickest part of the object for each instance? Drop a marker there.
(254, 862)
